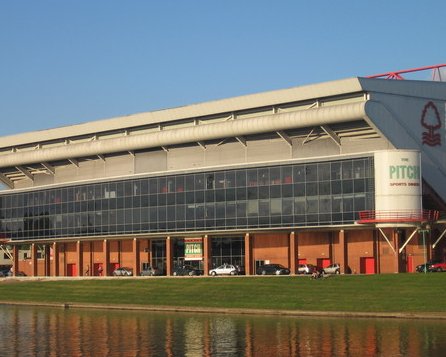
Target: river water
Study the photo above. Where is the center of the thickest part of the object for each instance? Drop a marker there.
(30, 331)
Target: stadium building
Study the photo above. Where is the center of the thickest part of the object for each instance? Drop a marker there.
(351, 172)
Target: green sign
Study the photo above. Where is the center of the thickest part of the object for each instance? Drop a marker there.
(400, 172)
(193, 249)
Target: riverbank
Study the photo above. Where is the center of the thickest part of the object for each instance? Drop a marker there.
(391, 296)
(263, 312)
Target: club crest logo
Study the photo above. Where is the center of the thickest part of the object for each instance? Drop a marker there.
(430, 120)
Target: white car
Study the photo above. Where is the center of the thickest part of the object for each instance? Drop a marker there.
(306, 268)
(225, 269)
(333, 269)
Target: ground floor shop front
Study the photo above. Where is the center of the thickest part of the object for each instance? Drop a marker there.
(358, 251)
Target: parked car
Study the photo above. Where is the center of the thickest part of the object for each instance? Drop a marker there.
(431, 266)
(187, 270)
(225, 269)
(4, 271)
(438, 266)
(423, 268)
(149, 271)
(272, 269)
(332, 269)
(19, 273)
(306, 269)
(123, 271)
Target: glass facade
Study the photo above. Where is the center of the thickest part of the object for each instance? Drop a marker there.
(324, 193)
(229, 250)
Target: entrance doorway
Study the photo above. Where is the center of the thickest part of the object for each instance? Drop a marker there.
(71, 270)
(367, 265)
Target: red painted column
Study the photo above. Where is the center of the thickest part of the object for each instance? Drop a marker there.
(292, 253)
(168, 256)
(136, 265)
(248, 259)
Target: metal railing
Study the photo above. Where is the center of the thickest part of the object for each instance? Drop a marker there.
(398, 216)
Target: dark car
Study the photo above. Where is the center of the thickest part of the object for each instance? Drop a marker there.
(431, 266)
(272, 269)
(149, 271)
(4, 271)
(186, 270)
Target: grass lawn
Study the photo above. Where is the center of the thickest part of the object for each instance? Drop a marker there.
(357, 293)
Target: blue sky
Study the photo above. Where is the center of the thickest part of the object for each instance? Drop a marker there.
(72, 61)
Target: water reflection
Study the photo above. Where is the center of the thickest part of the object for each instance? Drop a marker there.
(56, 332)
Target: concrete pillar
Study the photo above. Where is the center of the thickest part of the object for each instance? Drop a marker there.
(136, 265)
(248, 259)
(292, 253)
(206, 254)
(55, 259)
(169, 247)
(79, 258)
(34, 259)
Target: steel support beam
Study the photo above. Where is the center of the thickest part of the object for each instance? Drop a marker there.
(439, 238)
(74, 162)
(241, 140)
(387, 239)
(331, 134)
(49, 168)
(285, 137)
(408, 240)
(25, 172)
(6, 181)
